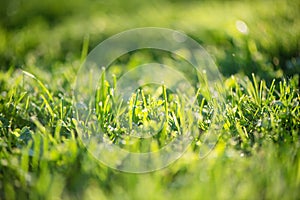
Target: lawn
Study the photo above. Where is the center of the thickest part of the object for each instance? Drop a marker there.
(245, 143)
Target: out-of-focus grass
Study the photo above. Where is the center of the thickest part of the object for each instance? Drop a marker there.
(257, 156)
(37, 33)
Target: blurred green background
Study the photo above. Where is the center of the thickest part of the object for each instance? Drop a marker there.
(44, 33)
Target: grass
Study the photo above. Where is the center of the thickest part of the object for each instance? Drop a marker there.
(41, 155)
(257, 155)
